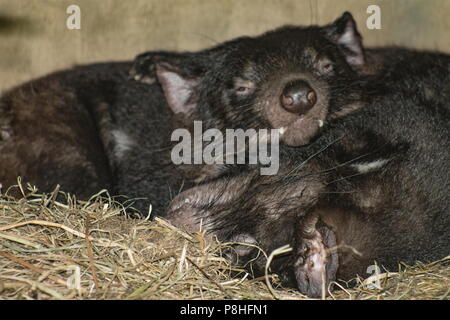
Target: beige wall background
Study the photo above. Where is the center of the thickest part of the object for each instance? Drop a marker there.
(34, 39)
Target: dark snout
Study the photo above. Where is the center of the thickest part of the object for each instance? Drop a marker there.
(298, 97)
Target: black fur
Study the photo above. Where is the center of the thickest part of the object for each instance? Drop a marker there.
(61, 129)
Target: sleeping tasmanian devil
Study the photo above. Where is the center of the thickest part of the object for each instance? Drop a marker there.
(373, 187)
(92, 127)
(375, 173)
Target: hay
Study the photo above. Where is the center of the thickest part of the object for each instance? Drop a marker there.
(68, 249)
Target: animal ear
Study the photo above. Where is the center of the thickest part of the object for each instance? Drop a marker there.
(344, 33)
(177, 73)
(178, 88)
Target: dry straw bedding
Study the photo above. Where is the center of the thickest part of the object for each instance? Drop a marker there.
(55, 247)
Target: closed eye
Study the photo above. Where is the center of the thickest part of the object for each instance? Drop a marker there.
(243, 87)
(243, 90)
(327, 67)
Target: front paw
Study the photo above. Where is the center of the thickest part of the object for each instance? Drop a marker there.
(186, 211)
(143, 69)
(144, 65)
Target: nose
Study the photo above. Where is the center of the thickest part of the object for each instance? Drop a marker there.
(298, 97)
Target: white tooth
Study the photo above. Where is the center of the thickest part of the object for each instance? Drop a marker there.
(320, 123)
(282, 130)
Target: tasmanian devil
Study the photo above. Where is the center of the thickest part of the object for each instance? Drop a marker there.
(373, 187)
(286, 79)
(86, 129)
(90, 127)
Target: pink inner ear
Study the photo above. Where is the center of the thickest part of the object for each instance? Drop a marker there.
(177, 90)
(351, 40)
